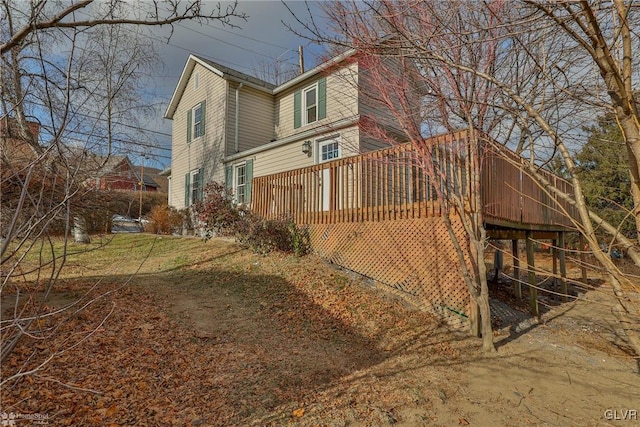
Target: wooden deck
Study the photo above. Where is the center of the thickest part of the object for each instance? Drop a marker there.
(391, 184)
(380, 214)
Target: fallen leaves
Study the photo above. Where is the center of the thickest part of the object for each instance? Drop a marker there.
(243, 345)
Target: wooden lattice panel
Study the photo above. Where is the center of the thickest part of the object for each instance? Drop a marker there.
(414, 256)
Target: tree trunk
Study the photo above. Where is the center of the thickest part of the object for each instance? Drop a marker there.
(80, 234)
(630, 128)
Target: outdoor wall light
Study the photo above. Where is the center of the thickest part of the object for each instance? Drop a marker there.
(306, 148)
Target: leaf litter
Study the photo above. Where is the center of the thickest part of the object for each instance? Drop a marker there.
(235, 338)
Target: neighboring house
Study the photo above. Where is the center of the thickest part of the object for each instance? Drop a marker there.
(230, 127)
(15, 151)
(155, 175)
(117, 173)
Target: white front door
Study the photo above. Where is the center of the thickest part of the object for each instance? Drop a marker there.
(327, 150)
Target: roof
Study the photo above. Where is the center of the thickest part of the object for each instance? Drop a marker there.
(237, 76)
(218, 69)
(152, 178)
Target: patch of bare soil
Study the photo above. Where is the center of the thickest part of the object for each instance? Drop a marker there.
(234, 338)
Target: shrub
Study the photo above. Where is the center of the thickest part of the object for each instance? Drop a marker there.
(164, 219)
(99, 206)
(264, 236)
(218, 215)
(300, 239)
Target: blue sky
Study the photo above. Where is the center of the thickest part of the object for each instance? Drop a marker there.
(263, 37)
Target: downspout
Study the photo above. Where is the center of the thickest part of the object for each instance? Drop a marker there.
(236, 145)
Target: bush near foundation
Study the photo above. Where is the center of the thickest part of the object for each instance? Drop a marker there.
(164, 219)
(264, 236)
(218, 215)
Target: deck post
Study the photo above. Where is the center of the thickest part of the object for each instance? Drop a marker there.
(563, 267)
(555, 255)
(583, 259)
(533, 290)
(516, 268)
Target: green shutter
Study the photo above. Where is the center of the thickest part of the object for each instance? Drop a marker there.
(248, 171)
(203, 104)
(189, 126)
(228, 177)
(186, 190)
(297, 106)
(322, 98)
(200, 183)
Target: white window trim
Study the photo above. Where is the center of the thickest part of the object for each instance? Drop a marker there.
(325, 141)
(192, 174)
(303, 104)
(194, 134)
(236, 166)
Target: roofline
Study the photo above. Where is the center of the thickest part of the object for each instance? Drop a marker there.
(318, 131)
(315, 70)
(193, 59)
(189, 66)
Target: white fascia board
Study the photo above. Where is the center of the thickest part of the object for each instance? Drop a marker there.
(310, 133)
(313, 71)
(184, 79)
(247, 84)
(191, 62)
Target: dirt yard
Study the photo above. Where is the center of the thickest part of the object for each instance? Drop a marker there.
(209, 334)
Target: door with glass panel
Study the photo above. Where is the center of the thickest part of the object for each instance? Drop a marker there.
(327, 150)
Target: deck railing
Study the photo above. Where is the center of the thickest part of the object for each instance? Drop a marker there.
(392, 184)
(511, 196)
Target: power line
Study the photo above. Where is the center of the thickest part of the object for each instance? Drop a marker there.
(138, 128)
(213, 58)
(122, 141)
(246, 37)
(186, 49)
(140, 153)
(225, 42)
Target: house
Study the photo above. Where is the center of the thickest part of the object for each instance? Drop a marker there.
(298, 149)
(15, 151)
(154, 175)
(230, 127)
(117, 173)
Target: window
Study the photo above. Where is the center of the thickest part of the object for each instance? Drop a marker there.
(193, 183)
(310, 98)
(238, 179)
(329, 150)
(310, 104)
(196, 121)
(195, 186)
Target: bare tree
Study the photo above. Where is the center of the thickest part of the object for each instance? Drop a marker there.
(71, 78)
(528, 73)
(276, 72)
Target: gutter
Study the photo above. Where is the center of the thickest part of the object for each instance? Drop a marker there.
(310, 133)
(316, 70)
(236, 145)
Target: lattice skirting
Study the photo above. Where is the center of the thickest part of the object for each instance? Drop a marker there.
(415, 257)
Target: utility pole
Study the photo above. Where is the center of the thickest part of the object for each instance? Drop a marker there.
(141, 186)
(301, 59)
